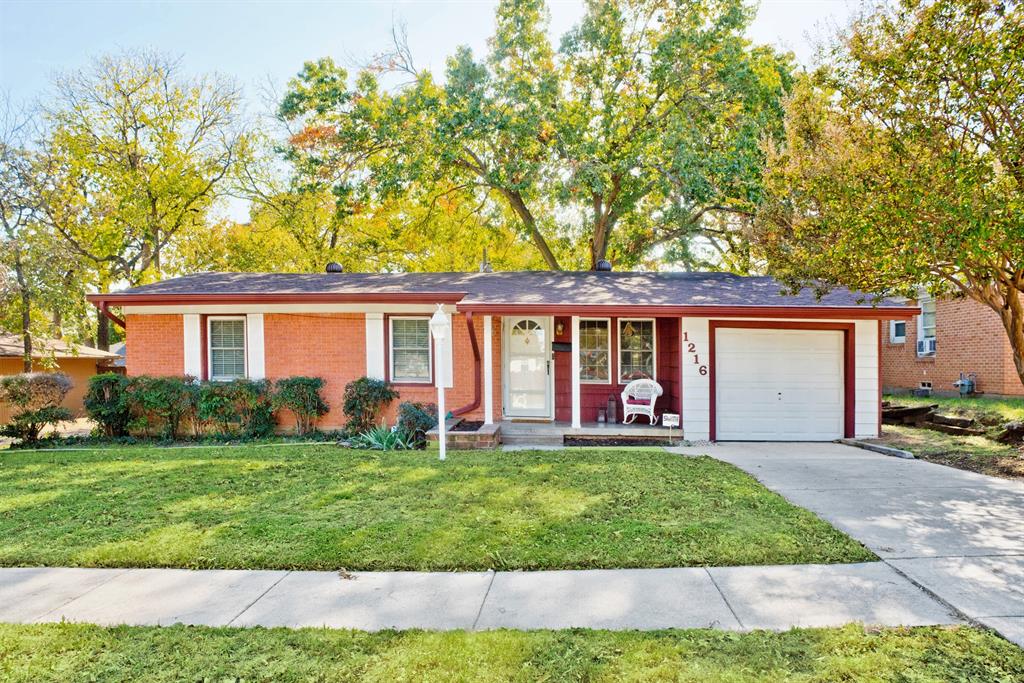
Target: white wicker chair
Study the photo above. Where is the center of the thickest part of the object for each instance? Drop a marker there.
(638, 398)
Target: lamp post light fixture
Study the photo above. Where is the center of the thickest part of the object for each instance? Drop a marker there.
(440, 329)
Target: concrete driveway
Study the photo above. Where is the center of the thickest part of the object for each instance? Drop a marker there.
(959, 535)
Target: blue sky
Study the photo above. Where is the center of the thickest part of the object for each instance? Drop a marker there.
(260, 42)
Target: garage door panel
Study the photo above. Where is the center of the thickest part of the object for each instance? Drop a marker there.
(778, 384)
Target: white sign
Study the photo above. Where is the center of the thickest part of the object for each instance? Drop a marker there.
(670, 419)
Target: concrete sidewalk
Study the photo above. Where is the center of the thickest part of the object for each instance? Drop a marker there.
(735, 598)
(959, 535)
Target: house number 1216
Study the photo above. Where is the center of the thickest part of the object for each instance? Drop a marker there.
(692, 348)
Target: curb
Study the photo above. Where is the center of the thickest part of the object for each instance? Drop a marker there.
(877, 448)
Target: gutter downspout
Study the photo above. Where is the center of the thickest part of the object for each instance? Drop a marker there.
(105, 311)
(477, 369)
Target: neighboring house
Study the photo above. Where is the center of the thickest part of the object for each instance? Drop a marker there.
(949, 337)
(738, 359)
(78, 362)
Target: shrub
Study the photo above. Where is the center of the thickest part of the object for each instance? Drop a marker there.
(382, 438)
(27, 425)
(159, 402)
(416, 419)
(301, 395)
(241, 406)
(35, 390)
(106, 402)
(36, 398)
(363, 401)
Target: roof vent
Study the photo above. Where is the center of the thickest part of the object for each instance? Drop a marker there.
(334, 267)
(603, 266)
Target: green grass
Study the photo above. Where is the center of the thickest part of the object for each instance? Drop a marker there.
(324, 507)
(992, 411)
(974, 453)
(66, 652)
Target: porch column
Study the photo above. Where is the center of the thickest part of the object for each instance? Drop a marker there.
(488, 373)
(576, 372)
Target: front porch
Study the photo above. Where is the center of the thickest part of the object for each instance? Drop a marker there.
(518, 433)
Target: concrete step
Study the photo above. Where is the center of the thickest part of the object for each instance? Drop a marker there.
(528, 439)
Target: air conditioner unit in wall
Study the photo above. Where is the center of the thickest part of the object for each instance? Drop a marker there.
(925, 346)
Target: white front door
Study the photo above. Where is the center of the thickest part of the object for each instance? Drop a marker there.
(778, 385)
(528, 367)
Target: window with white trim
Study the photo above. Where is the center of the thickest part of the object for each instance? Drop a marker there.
(410, 350)
(226, 348)
(926, 326)
(897, 331)
(637, 347)
(595, 351)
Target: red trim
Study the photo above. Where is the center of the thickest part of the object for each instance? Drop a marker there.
(306, 297)
(849, 361)
(656, 311)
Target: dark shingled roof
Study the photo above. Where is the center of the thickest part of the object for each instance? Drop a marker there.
(529, 287)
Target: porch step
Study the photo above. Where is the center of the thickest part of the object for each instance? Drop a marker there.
(520, 438)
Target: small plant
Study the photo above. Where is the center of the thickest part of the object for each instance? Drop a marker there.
(36, 396)
(106, 402)
(382, 438)
(301, 396)
(416, 419)
(364, 400)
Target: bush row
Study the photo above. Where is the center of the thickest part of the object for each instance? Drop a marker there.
(169, 407)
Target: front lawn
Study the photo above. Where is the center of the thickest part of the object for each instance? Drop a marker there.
(66, 652)
(325, 507)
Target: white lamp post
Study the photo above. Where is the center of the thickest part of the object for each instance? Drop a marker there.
(440, 328)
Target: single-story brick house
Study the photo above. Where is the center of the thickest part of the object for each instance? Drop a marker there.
(952, 335)
(736, 357)
(75, 360)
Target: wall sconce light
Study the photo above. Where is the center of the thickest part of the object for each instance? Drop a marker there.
(559, 328)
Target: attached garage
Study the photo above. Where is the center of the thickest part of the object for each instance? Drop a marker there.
(783, 382)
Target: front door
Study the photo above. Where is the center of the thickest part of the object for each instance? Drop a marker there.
(528, 368)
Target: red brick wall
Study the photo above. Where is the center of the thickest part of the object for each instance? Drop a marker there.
(969, 337)
(327, 345)
(594, 397)
(156, 345)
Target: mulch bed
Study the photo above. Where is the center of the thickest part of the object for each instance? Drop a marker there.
(468, 426)
(619, 441)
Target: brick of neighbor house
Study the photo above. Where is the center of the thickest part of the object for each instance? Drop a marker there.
(969, 337)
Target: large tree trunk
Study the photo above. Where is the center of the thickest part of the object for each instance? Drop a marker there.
(530, 223)
(1012, 315)
(102, 333)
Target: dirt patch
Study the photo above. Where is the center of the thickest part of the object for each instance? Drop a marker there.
(972, 453)
(468, 426)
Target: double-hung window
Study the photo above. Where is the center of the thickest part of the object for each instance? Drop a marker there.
(227, 348)
(595, 352)
(926, 327)
(637, 347)
(410, 350)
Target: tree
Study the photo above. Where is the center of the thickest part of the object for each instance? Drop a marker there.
(37, 275)
(649, 116)
(903, 161)
(136, 156)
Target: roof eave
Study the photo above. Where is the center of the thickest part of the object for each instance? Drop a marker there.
(706, 311)
(115, 299)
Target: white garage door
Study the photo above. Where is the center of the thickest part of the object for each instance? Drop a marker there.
(778, 385)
